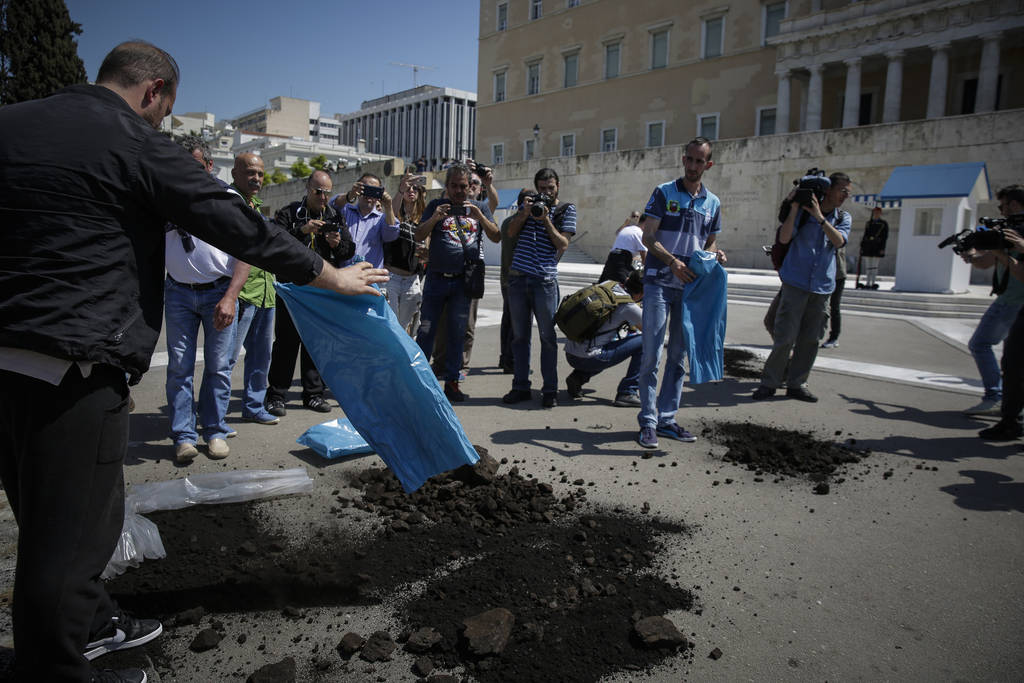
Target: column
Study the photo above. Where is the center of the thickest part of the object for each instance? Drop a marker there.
(939, 81)
(814, 98)
(893, 87)
(851, 98)
(988, 73)
(782, 102)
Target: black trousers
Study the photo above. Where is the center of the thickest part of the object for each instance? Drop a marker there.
(1013, 370)
(61, 456)
(287, 344)
(505, 346)
(833, 310)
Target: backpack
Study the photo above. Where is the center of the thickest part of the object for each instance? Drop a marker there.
(582, 314)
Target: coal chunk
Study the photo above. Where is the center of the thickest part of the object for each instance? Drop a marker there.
(421, 640)
(207, 639)
(350, 644)
(278, 672)
(378, 647)
(487, 633)
(658, 632)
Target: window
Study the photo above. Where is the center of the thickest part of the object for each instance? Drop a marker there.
(498, 153)
(527, 150)
(572, 67)
(536, 9)
(766, 121)
(772, 16)
(656, 134)
(707, 126)
(928, 222)
(503, 16)
(714, 37)
(499, 87)
(569, 145)
(612, 54)
(572, 3)
(609, 139)
(533, 78)
(659, 49)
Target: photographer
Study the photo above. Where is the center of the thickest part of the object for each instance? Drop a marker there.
(318, 226)
(371, 219)
(484, 190)
(994, 326)
(814, 228)
(542, 228)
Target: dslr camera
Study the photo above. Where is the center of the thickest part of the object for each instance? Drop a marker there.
(540, 200)
(481, 170)
(333, 224)
(989, 236)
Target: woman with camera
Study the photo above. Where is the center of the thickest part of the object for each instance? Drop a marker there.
(402, 257)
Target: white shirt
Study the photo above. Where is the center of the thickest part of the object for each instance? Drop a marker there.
(203, 264)
(631, 239)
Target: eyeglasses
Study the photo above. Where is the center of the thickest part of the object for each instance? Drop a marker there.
(322, 192)
(475, 182)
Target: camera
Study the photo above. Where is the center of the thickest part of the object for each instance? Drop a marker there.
(459, 210)
(373, 191)
(813, 184)
(989, 236)
(333, 224)
(481, 170)
(540, 200)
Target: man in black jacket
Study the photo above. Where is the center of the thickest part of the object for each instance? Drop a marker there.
(86, 185)
(316, 224)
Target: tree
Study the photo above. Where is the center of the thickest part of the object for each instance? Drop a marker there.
(300, 169)
(318, 162)
(278, 176)
(38, 52)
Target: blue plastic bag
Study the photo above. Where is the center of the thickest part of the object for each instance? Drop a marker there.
(382, 381)
(704, 309)
(334, 439)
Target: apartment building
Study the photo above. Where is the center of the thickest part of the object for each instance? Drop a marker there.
(291, 117)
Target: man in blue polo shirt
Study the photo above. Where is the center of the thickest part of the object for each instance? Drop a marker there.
(808, 275)
(680, 217)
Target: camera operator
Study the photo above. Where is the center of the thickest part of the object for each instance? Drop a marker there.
(814, 231)
(542, 228)
(318, 226)
(996, 323)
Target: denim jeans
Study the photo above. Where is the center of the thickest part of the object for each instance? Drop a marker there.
(663, 309)
(256, 334)
(612, 354)
(992, 328)
(533, 297)
(185, 310)
(441, 293)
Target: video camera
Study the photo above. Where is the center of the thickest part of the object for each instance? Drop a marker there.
(814, 183)
(540, 200)
(989, 236)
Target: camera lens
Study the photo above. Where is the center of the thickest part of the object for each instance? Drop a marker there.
(537, 210)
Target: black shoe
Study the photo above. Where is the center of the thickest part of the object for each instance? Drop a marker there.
(123, 632)
(874, 286)
(119, 676)
(801, 394)
(549, 400)
(275, 407)
(317, 404)
(762, 392)
(1004, 430)
(574, 385)
(517, 396)
(452, 392)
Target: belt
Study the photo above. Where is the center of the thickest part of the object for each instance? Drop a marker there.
(450, 276)
(621, 251)
(223, 279)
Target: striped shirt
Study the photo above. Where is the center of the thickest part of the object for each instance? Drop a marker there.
(534, 253)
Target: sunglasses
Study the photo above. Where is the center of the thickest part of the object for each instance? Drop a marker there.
(321, 192)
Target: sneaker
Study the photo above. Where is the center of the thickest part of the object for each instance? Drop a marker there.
(119, 676)
(217, 449)
(1002, 431)
(230, 434)
(264, 418)
(185, 452)
(647, 437)
(801, 394)
(763, 392)
(549, 400)
(123, 632)
(453, 393)
(988, 406)
(517, 396)
(626, 401)
(830, 344)
(316, 404)
(574, 385)
(275, 406)
(674, 431)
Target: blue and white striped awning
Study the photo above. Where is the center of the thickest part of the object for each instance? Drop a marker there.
(873, 200)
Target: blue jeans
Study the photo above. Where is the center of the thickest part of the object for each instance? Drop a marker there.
(992, 329)
(612, 354)
(663, 308)
(437, 292)
(533, 297)
(185, 310)
(256, 334)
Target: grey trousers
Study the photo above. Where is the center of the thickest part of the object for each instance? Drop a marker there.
(800, 325)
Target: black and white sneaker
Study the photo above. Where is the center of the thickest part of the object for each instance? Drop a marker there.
(124, 631)
(120, 676)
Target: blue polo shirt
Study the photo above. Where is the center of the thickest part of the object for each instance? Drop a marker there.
(810, 263)
(687, 221)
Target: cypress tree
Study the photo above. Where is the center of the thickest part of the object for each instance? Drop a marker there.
(38, 51)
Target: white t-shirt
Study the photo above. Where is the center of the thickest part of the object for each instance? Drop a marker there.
(631, 239)
(203, 264)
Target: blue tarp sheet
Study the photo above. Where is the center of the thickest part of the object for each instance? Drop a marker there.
(334, 439)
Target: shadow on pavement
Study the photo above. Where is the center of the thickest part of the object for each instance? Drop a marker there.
(892, 411)
(571, 442)
(990, 492)
(951, 449)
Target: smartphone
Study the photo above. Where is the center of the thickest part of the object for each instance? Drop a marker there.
(459, 210)
(373, 191)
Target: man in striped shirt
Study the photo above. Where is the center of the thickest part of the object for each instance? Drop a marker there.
(542, 228)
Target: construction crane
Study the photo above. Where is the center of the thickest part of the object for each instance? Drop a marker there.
(415, 69)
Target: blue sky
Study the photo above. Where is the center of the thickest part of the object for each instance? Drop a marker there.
(234, 56)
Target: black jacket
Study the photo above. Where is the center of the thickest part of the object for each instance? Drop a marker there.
(86, 186)
(295, 215)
